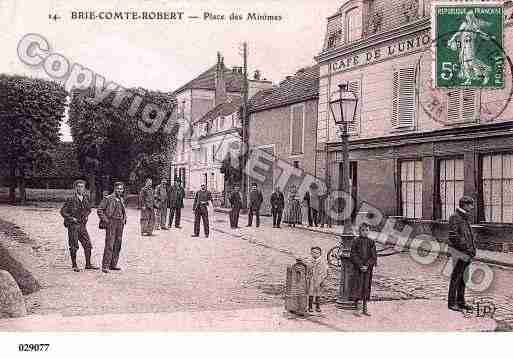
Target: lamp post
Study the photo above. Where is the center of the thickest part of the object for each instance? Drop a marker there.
(343, 108)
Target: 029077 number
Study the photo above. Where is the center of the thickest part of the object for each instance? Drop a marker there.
(33, 347)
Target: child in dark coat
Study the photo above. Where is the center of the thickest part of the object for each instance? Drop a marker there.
(364, 258)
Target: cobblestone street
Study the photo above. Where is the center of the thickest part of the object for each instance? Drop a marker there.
(232, 270)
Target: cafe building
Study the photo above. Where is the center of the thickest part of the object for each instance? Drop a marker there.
(414, 149)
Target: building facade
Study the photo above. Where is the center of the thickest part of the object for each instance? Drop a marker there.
(283, 123)
(197, 102)
(414, 149)
(214, 133)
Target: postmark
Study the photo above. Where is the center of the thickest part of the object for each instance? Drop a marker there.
(465, 33)
(466, 104)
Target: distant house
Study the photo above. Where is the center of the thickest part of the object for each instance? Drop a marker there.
(283, 122)
(200, 108)
(213, 133)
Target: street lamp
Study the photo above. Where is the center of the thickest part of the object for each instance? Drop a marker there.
(343, 109)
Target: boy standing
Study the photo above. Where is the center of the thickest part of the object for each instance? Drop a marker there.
(316, 275)
(364, 258)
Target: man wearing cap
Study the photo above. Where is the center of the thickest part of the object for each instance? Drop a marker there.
(161, 204)
(175, 202)
(277, 205)
(75, 212)
(236, 204)
(200, 209)
(112, 213)
(147, 205)
(462, 249)
(255, 202)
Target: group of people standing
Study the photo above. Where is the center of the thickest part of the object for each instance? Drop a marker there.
(154, 205)
(112, 214)
(290, 212)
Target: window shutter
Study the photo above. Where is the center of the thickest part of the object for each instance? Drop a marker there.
(297, 130)
(469, 105)
(354, 126)
(407, 97)
(462, 105)
(395, 100)
(403, 98)
(453, 105)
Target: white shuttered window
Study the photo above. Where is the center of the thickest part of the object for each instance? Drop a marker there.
(297, 129)
(403, 98)
(462, 105)
(354, 126)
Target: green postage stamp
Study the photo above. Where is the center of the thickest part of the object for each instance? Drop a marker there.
(468, 41)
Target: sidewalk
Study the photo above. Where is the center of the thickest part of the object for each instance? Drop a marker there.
(385, 316)
(490, 257)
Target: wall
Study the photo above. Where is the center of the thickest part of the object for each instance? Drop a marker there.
(272, 128)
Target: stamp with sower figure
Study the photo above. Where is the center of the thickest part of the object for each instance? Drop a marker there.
(468, 46)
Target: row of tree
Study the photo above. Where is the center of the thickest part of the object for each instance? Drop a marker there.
(108, 142)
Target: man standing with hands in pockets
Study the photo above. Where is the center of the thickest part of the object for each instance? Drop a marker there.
(113, 215)
(462, 249)
(277, 205)
(76, 211)
(200, 210)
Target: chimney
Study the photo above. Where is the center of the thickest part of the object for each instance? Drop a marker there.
(220, 92)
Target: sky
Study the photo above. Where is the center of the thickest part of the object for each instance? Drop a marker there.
(163, 55)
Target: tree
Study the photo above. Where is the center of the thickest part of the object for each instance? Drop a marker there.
(110, 142)
(31, 111)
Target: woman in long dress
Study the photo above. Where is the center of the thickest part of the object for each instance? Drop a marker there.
(293, 214)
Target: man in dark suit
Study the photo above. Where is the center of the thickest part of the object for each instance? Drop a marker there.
(76, 211)
(255, 202)
(462, 249)
(175, 201)
(200, 209)
(236, 204)
(112, 213)
(277, 205)
(147, 204)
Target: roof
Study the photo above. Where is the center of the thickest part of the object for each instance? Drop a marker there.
(224, 109)
(298, 88)
(207, 81)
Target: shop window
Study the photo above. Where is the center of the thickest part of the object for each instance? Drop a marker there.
(403, 98)
(297, 122)
(451, 182)
(411, 188)
(497, 182)
(462, 105)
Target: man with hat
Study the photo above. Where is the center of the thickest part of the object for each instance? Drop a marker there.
(147, 205)
(75, 212)
(175, 203)
(161, 204)
(113, 215)
(462, 249)
(236, 204)
(200, 209)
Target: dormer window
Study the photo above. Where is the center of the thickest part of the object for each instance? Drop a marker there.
(353, 24)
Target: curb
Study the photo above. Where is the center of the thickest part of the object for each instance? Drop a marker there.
(495, 262)
(508, 265)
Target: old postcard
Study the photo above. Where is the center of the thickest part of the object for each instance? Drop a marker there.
(273, 166)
